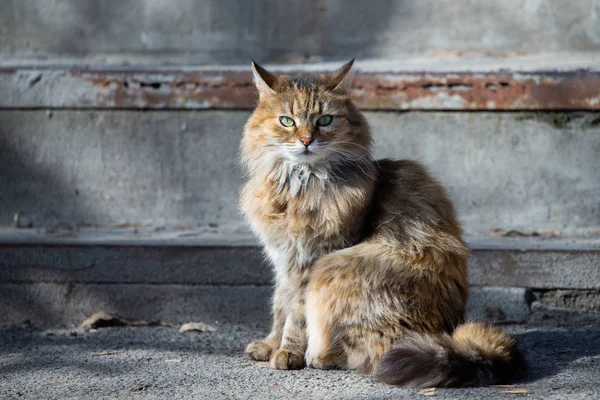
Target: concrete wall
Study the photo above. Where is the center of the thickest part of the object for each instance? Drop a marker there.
(231, 31)
(522, 171)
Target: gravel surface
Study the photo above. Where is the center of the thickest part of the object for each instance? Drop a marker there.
(161, 362)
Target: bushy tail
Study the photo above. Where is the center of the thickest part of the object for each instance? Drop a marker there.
(475, 355)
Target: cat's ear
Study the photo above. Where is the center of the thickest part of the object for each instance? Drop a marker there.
(263, 80)
(342, 78)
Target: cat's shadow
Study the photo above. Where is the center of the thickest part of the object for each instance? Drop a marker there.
(551, 351)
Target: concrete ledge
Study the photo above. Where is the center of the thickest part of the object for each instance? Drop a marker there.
(498, 303)
(58, 305)
(433, 84)
(53, 281)
(532, 268)
(51, 305)
(173, 257)
(44, 305)
(128, 263)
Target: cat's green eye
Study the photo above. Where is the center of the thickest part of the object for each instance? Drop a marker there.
(325, 120)
(286, 121)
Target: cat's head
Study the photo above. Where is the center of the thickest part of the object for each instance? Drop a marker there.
(306, 121)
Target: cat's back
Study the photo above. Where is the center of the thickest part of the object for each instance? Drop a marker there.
(406, 195)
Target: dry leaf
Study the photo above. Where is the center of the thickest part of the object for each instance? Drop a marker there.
(512, 233)
(62, 231)
(517, 391)
(429, 392)
(187, 235)
(449, 53)
(59, 235)
(497, 232)
(197, 327)
(102, 319)
(515, 233)
(141, 387)
(103, 353)
(550, 233)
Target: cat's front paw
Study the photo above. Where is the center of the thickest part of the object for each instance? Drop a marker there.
(286, 359)
(318, 362)
(259, 350)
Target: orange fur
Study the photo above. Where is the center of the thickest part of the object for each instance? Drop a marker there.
(367, 254)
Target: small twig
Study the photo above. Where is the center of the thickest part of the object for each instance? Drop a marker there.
(517, 391)
(558, 352)
(103, 353)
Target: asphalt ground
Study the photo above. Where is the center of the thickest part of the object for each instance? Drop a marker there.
(160, 362)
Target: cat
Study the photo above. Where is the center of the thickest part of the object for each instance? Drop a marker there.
(369, 262)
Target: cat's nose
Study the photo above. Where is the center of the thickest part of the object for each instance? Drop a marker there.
(306, 140)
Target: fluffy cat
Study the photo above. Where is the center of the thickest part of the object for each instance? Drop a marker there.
(370, 266)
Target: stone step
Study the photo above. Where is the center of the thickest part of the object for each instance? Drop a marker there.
(229, 31)
(57, 278)
(205, 256)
